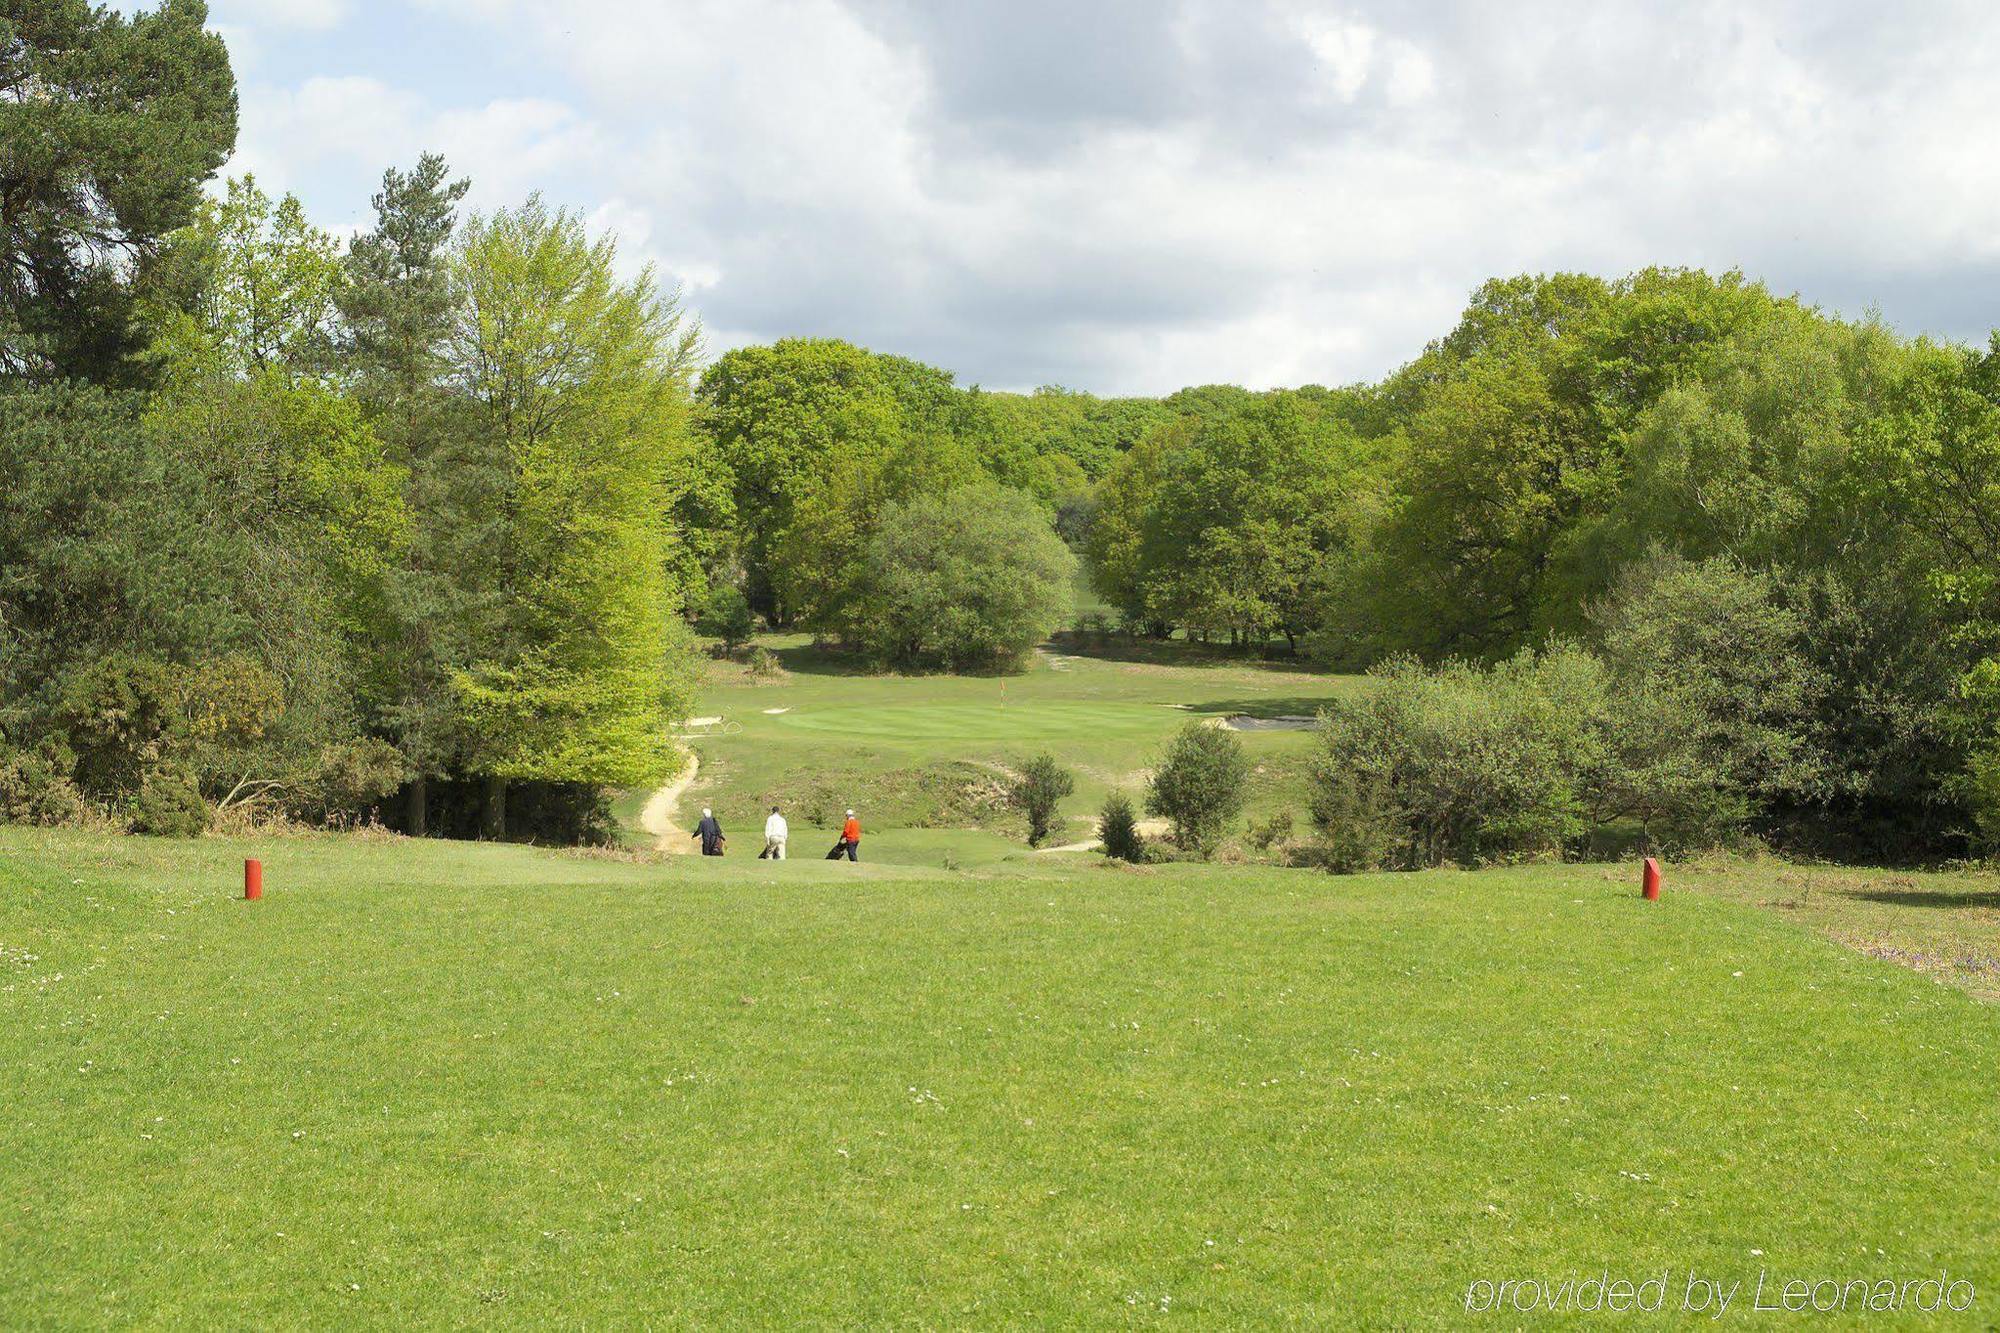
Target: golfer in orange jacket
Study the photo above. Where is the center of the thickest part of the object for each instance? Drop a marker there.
(850, 836)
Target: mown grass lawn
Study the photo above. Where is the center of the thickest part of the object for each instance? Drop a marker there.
(426, 1084)
(822, 736)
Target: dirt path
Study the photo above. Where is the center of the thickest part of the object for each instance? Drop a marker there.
(660, 817)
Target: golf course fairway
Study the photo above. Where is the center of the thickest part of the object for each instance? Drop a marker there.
(430, 1084)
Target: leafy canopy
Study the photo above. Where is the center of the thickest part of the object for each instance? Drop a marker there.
(973, 578)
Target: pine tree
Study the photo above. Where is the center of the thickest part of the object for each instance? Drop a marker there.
(397, 312)
(112, 124)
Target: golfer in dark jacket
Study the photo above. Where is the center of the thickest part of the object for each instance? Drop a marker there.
(709, 830)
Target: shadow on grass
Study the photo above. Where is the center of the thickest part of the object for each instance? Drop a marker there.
(1989, 898)
(1182, 652)
(809, 659)
(818, 660)
(814, 659)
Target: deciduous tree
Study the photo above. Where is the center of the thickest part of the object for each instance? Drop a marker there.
(578, 380)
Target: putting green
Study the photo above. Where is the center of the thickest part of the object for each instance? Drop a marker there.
(985, 722)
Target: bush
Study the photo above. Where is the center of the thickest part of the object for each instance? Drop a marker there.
(973, 578)
(229, 702)
(353, 778)
(764, 664)
(1118, 830)
(1198, 786)
(227, 713)
(1040, 788)
(1359, 827)
(36, 786)
(1460, 764)
(1694, 719)
(126, 717)
(1275, 831)
(116, 713)
(169, 805)
(1713, 700)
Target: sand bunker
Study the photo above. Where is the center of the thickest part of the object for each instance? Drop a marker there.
(1283, 722)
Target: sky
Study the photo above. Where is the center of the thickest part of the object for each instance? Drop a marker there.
(1130, 196)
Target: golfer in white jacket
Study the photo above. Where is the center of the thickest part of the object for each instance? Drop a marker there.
(775, 833)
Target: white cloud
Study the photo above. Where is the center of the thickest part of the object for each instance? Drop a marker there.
(1346, 48)
(1411, 75)
(513, 147)
(351, 128)
(310, 15)
(1125, 197)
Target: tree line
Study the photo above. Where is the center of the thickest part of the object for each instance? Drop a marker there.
(1770, 532)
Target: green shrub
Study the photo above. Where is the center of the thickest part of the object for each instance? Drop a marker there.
(1712, 699)
(1357, 821)
(229, 701)
(169, 805)
(353, 777)
(215, 721)
(1696, 716)
(116, 713)
(764, 664)
(1982, 790)
(1041, 787)
(36, 786)
(1198, 786)
(1275, 831)
(1118, 830)
(1460, 764)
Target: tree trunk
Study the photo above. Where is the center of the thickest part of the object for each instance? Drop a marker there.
(419, 809)
(496, 807)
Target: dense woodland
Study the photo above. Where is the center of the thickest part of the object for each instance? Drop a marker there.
(416, 527)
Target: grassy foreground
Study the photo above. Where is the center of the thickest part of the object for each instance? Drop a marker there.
(435, 1084)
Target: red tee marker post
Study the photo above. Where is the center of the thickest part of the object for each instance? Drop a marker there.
(1649, 881)
(253, 880)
